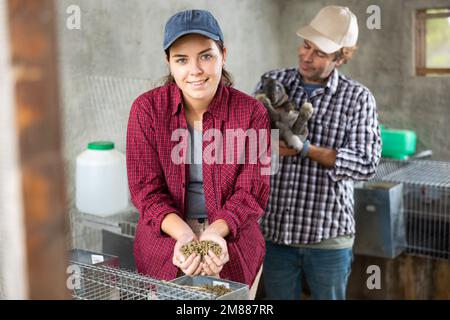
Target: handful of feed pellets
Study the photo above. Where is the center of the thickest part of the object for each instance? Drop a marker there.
(201, 248)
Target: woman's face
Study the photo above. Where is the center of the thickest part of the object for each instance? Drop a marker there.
(196, 64)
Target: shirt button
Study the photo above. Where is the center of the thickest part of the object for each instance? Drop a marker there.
(183, 185)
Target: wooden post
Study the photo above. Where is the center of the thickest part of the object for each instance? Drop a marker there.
(32, 26)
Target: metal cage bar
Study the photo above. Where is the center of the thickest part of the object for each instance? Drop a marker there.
(107, 283)
(426, 193)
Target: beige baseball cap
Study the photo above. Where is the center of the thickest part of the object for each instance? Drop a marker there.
(331, 29)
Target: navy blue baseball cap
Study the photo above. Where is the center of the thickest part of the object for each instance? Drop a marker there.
(191, 21)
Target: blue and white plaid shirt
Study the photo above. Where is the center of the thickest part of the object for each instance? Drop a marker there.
(309, 203)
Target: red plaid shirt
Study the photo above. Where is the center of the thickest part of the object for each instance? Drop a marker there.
(236, 193)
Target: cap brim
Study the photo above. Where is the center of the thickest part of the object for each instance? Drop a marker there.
(197, 31)
(324, 44)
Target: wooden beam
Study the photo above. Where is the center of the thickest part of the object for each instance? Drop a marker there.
(420, 42)
(428, 71)
(437, 15)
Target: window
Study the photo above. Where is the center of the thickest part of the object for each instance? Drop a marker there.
(433, 41)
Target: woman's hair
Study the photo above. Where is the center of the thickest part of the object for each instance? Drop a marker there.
(227, 78)
(345, 53)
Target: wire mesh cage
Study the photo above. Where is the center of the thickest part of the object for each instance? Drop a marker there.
(426, 203)
(90, 282)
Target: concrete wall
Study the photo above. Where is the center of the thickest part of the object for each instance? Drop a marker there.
(385, 63)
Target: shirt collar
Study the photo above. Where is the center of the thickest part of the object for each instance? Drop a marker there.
(175, 97)
(332, 82)
(218, 106)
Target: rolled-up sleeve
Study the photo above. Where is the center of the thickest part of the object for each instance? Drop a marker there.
(359, 157)
(148, 188)
(251, 192)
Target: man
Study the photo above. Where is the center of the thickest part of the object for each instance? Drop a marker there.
(309, 225)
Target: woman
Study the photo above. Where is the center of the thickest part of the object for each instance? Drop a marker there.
(209, 199)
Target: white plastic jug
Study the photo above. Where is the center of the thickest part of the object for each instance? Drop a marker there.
(101, 180)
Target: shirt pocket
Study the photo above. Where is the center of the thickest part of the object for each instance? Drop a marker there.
(331, 133)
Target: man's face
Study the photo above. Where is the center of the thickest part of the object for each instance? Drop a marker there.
(315, 65)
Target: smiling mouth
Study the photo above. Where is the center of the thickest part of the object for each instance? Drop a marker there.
(198, 82)
(304, 67)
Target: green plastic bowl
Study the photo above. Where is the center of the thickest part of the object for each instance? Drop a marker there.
(398, 144)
